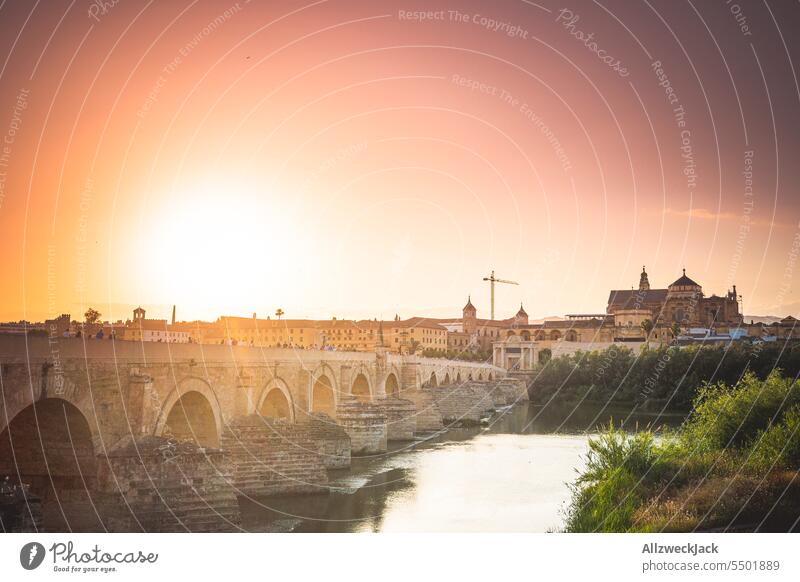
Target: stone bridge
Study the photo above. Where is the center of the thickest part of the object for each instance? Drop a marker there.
(128, 436)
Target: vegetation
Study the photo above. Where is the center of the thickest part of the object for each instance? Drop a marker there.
(664, 377)
(92, 316)
(647, 327)
(732, 464)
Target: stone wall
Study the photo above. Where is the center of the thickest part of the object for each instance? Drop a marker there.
(428, 417)
(462, 404)
(331, 440)
(20, 510)
(513, 390)
(155, 484)
(365, 422)
(504, 392)
(401, 420)
(273, 457)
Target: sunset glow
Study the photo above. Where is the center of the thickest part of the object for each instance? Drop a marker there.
(360, 160)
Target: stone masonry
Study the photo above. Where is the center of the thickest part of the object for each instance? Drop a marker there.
(154, 484)
(401, 420)
(365, 422)
(273, 457)
(331, 440)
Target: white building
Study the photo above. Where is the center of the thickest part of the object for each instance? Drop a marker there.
(153, 330)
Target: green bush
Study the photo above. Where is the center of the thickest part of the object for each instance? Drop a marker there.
(726, 417)
(665, 375)
(778, 446)
(749, 428)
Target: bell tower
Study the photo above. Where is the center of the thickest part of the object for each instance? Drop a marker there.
(469, 317)
(644, 283)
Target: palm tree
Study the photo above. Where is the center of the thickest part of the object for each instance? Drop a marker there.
(279, 313)
(647, 327)
(675, 329)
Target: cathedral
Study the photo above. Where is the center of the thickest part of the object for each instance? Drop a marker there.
(682, 302)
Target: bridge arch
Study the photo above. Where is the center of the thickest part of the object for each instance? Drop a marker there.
(446, 380)
(323, 395)
(58, 387)
(324, 392)
(458, 378)
(361, 388)
(276, 401)
(392, 386)
(48, 445)
(432, 381)
(191, 412)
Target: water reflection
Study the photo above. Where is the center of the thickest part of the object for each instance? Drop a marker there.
(509, 475)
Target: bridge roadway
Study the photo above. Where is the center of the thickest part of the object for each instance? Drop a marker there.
(129, 436)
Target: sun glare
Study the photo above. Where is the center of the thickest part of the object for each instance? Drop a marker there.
(226, 244)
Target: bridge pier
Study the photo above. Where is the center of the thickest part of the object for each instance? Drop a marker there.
(365, 423)
(331, 440)
(428, 417)
(460, 405)
(401, 420)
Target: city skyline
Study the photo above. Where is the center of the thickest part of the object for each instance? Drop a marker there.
(343, 313)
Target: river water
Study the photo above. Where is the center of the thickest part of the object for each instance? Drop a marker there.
(510, 475)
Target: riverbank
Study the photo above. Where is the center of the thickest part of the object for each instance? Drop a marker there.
(733, 465)
(509, 474)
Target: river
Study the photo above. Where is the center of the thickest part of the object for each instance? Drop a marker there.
(510, 475)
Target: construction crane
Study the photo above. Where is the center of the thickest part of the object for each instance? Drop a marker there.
(492, 280)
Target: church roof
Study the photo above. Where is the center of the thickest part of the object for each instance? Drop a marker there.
(631, 298)
(521, 312)
(469, 304)
(685, 281)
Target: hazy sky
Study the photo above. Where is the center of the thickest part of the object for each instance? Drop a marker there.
(359, 159)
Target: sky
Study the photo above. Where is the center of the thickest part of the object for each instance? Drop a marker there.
(365, 159)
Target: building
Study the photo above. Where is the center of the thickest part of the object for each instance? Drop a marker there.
(201, 332)
(141, 329)
(415, 334)
(271, 333)
(59, 326)
(682, 303)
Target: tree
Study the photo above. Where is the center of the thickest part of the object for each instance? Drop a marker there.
(647, 327)
(413, 346)
(279, 313)
(92, 315)
(675, 329)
